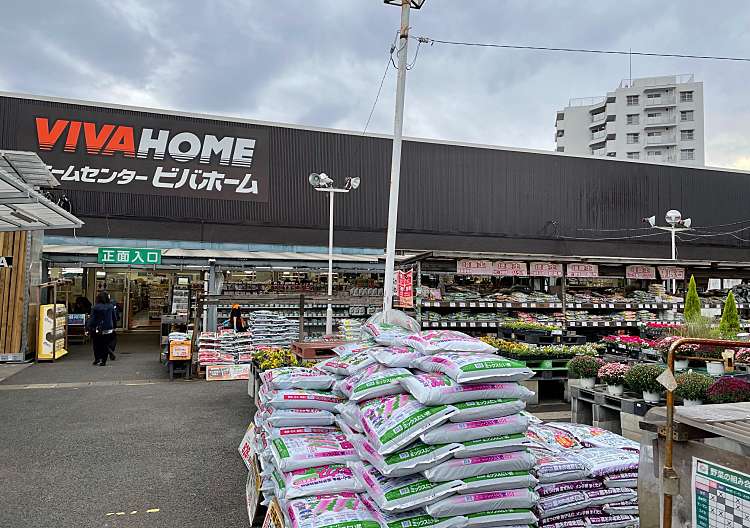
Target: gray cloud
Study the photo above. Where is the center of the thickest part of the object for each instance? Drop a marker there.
(318, 62)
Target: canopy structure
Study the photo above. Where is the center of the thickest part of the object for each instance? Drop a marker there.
(22, 206)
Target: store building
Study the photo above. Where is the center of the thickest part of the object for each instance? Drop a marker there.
(234, 192)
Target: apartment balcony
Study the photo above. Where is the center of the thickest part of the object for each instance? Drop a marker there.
(663, 139)
(599, 118)
(663, 158)
(670, 119)
(664, 100)
(599, 135)
(599, 153)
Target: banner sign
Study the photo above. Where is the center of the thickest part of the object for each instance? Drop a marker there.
(404, 288)
(510, 269)
(129, 256)
(640, 272)
(545, 269)
(671, 272)
(143, 153)
(6, 262)
(227, 372)
(474, 267)
(583, 270)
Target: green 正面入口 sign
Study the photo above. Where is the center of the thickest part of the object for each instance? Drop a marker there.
(129, 256)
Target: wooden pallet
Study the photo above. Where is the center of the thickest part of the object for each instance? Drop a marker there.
(315, 350)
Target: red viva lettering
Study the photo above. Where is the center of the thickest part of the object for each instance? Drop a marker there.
(107, 140)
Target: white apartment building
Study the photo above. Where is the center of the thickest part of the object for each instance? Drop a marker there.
(657, 119)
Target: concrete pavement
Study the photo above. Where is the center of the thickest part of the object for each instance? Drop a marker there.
(120, 446)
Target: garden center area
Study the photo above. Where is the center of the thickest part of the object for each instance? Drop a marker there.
(412, 423)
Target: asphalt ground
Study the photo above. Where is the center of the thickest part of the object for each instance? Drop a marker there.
(120, 446)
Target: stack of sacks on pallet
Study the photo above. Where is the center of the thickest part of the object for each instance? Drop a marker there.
(442, 442)
(588, 477)
(399, 429)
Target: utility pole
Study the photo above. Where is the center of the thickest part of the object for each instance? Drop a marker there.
(398, 125)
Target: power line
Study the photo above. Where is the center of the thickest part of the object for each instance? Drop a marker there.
(431, 41)
(614, 238)
(380, 87)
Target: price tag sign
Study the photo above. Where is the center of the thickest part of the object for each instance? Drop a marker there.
(637, 271)
(510, 269)
(582, 270)
(474, 267)
(671, 272)
(545, 269)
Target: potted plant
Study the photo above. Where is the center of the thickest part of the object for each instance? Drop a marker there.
(729, 326)
(613, 374)
(692, 302)
(692, 387)
(728, 389)
(642, 378)
(585, 369)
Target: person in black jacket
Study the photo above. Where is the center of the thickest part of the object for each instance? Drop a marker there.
(101, 326)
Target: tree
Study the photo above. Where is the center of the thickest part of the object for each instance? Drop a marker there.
(692, 302)
(730, 321)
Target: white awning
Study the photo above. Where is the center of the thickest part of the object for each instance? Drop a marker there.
(22, 208)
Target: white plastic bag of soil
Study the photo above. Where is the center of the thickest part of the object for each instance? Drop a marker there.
(393, 422)
(298, 417)
(394, 356)
(462, 468)
(493, 445)
(412, 459)
(322, 480)
(402, 493)
(501, 480)
(436, 388)
(330, 511)
(305, 451)
(411, 518)
(474, 368)
(300, 399)
(434, 341)
(485, 501)
(505, 518)
(476, 429)
(296, 378)
(374, 383)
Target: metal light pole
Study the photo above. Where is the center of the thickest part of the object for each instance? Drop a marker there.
(674, 219)
(321, 182)
(398, 125)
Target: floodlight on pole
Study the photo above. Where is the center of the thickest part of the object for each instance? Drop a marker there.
(674, 219)
(322, 182)
(398, 126)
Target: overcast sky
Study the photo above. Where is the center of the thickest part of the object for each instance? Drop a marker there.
(319, 62)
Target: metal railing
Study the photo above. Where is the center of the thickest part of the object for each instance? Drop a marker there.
(663, 120)
(599, 118)
(658, 81)
(662, 139)
(660, 101)
(587, 101)
(601, 134)
(599, 153)
(664, 158)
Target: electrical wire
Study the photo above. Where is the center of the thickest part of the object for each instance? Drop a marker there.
(433, 41)
(614, 238)
(614, 230)
(380, 88)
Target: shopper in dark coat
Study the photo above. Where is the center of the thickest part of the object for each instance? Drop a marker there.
(101, 326)
(113, 342)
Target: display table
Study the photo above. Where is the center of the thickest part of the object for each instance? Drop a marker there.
(314, 350)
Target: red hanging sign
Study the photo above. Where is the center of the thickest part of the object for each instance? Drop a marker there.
(640, 272)
(545, 269)
(583, 270)
(474, 267)
(510, 269)
(404, 288)
(671, 272)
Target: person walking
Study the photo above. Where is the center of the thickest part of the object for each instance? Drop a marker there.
(116, 318)
(101, 326)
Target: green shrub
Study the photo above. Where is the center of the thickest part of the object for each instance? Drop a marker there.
(692, 302)
(730, 321)
(693, 386)
(583, 367)
(642, 377)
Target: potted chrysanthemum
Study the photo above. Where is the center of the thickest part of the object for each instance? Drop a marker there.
(613, 374)
(692, 388)
(584, 368)
(642, 378)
